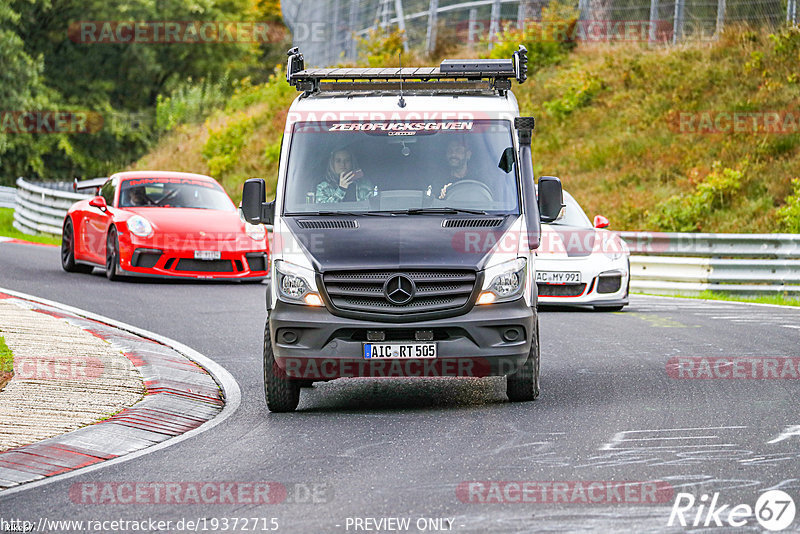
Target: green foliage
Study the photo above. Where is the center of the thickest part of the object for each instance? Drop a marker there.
(577, 91)
(272, 154)
(548, 41)
(224, 145)
(778, 300)
(686, 213)
(140, 89)
(191, 103)
(6, 357)
(380, 48)
(789, 213)
(7, 230)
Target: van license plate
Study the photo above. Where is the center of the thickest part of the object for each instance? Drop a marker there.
(207, 255)
(386, 351)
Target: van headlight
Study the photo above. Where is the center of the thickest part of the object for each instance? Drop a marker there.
(296, 284)
(139, 226)
(504, 282)
(256, 232)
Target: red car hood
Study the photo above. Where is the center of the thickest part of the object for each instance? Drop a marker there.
(189, 222)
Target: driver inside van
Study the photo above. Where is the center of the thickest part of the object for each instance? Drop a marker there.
(344, 181)
(457, 156)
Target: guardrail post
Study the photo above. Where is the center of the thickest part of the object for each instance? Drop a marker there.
(473, 26)
(653, 20)
(401, 22)
(433, 19)
(721, 7)
(353, 48)
(677, 23)
(494, 24)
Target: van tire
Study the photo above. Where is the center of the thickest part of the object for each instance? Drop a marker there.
(281, 392)
(523, 385)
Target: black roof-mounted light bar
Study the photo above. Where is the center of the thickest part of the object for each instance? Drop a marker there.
(451, 75)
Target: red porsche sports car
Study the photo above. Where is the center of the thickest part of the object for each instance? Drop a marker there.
(163, 224)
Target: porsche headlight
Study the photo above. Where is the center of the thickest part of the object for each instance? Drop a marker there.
(255, 231)
(296, 284)
(139, 226)
(617, 249)
(504, 282)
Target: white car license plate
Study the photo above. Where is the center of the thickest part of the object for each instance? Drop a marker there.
(385, 351)
(558, 277)
(207, 254)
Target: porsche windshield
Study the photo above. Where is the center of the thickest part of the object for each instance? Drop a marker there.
(402, 167)
(174, 193)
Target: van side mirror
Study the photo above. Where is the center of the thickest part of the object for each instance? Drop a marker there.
(551, 198)
(254, 206)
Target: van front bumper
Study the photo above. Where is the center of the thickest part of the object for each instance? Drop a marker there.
(312, 344)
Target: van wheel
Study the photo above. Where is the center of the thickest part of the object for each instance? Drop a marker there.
(281, 392)
(524, 384)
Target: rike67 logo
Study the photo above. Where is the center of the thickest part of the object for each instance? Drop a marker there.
(774, 510)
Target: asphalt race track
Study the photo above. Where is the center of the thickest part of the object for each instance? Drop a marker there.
(360, 451)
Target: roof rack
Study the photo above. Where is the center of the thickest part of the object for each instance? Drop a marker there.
(453, 75)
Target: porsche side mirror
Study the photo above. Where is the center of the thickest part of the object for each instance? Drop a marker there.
(99, 203)
(551, 198)
(254, 206)
(600, 221)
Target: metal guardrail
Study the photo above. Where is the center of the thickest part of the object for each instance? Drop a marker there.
(7, 195)
(668, 263)
(41, 208)
(733, 263)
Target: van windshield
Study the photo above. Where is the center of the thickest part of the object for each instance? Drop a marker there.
(402, 166)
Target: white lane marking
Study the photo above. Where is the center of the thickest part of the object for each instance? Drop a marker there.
(787, 433)
(790, 326)
(230, 388)
(689, 436)
(2, 239)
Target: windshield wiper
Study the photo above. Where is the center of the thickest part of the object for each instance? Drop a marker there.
(419, 211)
(349, 213)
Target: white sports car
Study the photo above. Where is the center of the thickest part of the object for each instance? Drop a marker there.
(580, 263)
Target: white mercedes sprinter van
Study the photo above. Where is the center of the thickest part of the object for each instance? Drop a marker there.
(404, 225)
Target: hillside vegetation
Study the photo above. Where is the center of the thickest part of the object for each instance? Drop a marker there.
(608, 123)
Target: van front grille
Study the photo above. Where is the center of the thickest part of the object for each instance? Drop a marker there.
(432, 291)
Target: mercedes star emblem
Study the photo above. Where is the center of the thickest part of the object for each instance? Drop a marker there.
(399, 289)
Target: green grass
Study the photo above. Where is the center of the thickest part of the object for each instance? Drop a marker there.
(6, 357)
(780, 300)
(7, 230)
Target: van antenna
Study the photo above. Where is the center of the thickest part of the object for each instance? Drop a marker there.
(402, 102)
